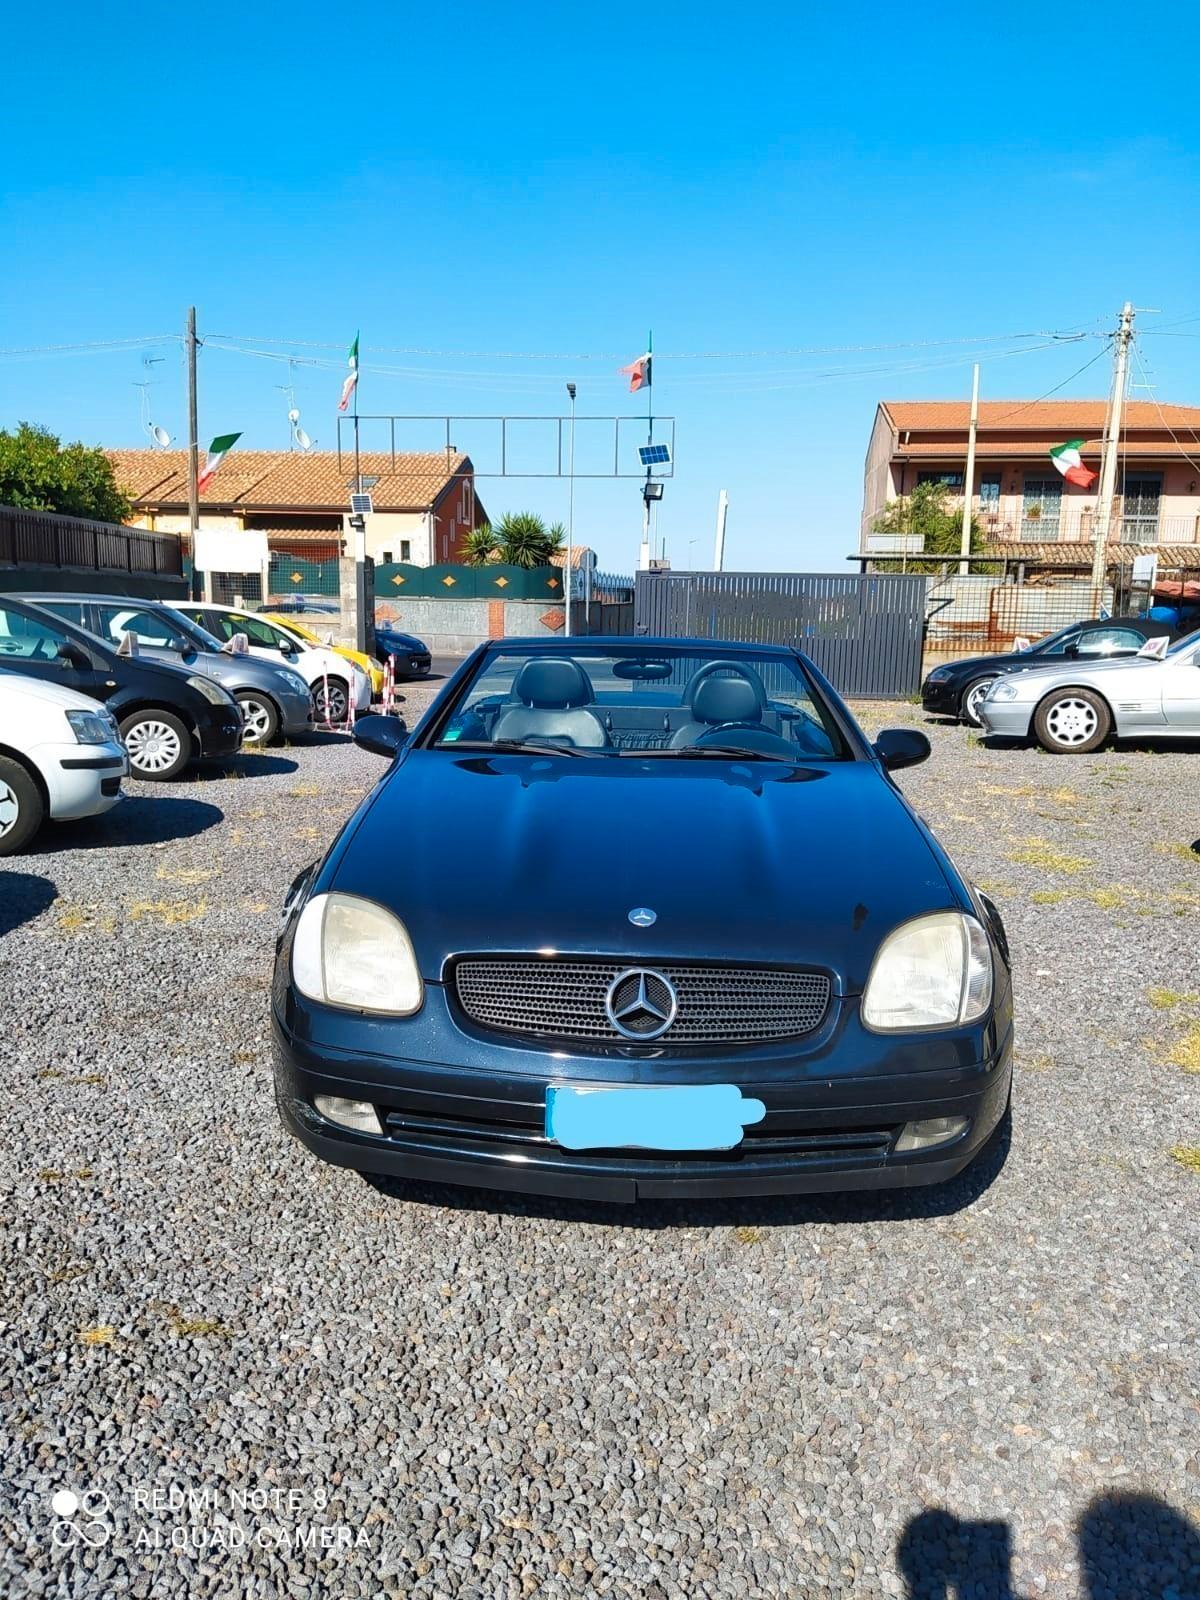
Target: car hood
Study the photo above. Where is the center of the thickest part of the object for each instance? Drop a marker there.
(1038, 679)
(15, 686)
(753, 862)
(398, 641)
(1003, 663)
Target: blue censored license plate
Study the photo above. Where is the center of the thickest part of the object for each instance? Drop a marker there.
(708, 1116)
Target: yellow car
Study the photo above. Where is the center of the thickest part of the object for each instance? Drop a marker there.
(372, 668)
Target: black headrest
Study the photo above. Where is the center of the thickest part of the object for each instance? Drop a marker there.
(726, 700)
(553, 683)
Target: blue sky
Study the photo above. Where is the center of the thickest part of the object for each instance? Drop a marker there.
(557, 180)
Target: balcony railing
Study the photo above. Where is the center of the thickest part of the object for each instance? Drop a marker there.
(41, 539)
(1011, 519)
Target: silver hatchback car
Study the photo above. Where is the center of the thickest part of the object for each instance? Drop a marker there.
(274, 699)
(1074, 706)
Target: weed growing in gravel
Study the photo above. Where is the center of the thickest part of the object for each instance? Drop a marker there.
(1165, 999)
(169, 912)
(67, 1274)
(989, 886)
(1174, 847)
(52, 1175)
(1112, 897)
(748, 1235)
(195, 1327)
(1187, 1155)
(304, 791)
(85, 919)
(1049, 897)
(1038, 1062)
(101, 1335)
(1186, 1053)
(1041, 853)
(233, 772)
(188, 875)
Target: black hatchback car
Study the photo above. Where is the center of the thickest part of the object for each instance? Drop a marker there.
(167, 715)
(956, 688)
(667, 927)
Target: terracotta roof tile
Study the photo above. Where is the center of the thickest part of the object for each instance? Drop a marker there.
(283, 480)
(1066, 554)
(1065, 417)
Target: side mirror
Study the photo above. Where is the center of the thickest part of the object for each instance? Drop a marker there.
(382, 736)
(73, 654)
(286, 647)
(901, 747)
(239, 645)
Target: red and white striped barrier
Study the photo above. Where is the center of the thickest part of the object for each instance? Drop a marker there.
(389, 685)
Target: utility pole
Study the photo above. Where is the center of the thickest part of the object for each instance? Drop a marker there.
(193, 482)
(964, 566)
(1112, 439)
(567, 574)
(722, 516)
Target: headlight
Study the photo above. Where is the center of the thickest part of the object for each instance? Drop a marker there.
(91, 727)
(211, 691)
(296, 682)
(1003, 691)
(352, 953)
(933, 972)
(939, 675)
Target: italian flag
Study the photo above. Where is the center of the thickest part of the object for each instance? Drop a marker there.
(351, 383)
(217, 451)
(638, 373)
(1067, 459)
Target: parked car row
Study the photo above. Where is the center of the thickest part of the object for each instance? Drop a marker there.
(1129, 677)
(175, 683)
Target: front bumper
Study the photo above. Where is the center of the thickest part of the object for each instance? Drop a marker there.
(295, 711)
(220, 735)
(83, 780)
(829, 1124)
(940, 698)
(1008, 719)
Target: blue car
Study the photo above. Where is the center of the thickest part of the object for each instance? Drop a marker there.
(411, 657)
(634, 918)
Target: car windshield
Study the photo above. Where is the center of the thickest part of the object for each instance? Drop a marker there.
(635, 700)
(1055, 643)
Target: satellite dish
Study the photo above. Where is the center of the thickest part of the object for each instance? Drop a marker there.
(303, 440)
(161, 437)
(293, 416)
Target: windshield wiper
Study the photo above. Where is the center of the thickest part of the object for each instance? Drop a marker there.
(523, 747)
(723, 750)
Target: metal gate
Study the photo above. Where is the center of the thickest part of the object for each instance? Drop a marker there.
(864, 633)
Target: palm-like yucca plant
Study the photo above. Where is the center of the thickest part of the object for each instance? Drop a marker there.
(481, 546)
(525, 541)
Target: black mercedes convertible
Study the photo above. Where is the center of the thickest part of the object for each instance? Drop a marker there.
(628, 918)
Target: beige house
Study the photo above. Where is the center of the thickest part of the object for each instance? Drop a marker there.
(424, 503)
(1025, 506)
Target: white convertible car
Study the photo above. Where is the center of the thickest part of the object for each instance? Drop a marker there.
(1074, 706)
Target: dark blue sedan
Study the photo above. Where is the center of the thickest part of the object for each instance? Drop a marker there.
(641, 918)
(411, 657)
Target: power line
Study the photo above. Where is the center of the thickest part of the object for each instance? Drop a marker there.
(1016, 412)
(92, 345)
(1162, 414)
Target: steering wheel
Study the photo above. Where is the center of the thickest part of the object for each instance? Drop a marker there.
(751, 734)
(740, 671)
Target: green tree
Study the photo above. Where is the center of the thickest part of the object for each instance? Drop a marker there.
(929, 513)
(525, 540)
(481, 546)
(40, 473)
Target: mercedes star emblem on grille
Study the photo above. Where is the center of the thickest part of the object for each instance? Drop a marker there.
(643, 917)
(641, 1004)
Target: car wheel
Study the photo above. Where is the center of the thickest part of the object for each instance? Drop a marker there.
(1072, 722)
(158, 743)
(260, 717)
(968, 708)
(21, 807)
(331, 701)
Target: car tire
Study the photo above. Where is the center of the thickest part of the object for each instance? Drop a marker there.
(972, 694)
(331, 702)
(1072, 722)
(22, 809)
(158, 743)
(261, 716)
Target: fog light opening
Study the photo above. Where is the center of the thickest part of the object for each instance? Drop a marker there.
(356, 1114)
(930, 1133)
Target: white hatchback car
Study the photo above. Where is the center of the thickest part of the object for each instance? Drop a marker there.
(61, 756)
(335, 682)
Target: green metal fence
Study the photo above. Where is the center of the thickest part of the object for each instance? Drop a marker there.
(292, 574)
(497, 581)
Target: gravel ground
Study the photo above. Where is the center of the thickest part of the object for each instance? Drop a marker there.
(437, 1392)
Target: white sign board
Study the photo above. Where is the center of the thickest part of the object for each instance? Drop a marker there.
(1145, 570)
(230, 550)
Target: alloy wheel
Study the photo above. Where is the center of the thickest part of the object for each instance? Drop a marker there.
(975, 696)
(1071, 721)
(330, 703)
(10, 809)
(153, 746)
(257, 720)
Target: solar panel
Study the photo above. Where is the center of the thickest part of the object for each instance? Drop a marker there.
(654, 455)
(360, 505)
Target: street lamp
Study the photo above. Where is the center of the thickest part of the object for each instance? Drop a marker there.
(570, 514)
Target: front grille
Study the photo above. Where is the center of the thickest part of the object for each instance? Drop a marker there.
(109, 787)
(567, 1000)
